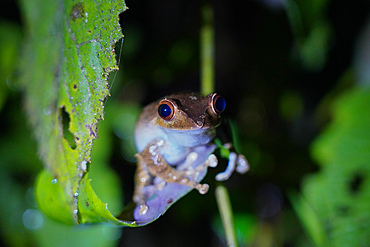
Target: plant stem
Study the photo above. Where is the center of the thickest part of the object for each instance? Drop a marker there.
(207, 41)
(207, 51)
(224, 205)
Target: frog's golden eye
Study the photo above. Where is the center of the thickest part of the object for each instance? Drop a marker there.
(218, 103)
(166, 109)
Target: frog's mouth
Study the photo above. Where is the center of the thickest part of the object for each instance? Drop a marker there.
(192, 138)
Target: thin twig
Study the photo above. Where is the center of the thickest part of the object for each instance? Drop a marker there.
(207, 41)
(224, 205)
(207, 51)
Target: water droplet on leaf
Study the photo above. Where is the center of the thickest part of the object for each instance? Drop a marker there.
(47, 111)
(32, 219)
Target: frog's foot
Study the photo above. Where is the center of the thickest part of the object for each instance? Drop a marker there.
(202, 188)
(158, 168)
(143, 208)
(187, 165)
(190, 158)
(242, 164)
(210, 162)
(187, 177)
(193, 173)
(140, 198)
(143, 192)
(142, 180)
(236, 162)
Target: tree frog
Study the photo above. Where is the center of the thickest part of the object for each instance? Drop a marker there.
(174, 137)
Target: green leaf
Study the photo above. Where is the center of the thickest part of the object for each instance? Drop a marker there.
(337, 199)
(67, 57)
(59, 235)
(51, 198)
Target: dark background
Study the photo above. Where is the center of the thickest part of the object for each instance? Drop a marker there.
(273, 96)
(256, 66)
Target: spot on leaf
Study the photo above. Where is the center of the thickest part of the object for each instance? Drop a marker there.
(77, 11)
(356, 182)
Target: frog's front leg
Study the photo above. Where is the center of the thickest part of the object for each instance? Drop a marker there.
(236, 162)
(142, 181)
(151, 164)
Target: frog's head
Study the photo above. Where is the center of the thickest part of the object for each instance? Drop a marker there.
(190, 119)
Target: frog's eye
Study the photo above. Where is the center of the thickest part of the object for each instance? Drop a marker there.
(218, 104)
(166, 109)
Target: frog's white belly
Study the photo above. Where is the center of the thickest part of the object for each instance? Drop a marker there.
(171, 152)
(177, 144)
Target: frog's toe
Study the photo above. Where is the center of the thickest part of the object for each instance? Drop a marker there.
(212, 159)
(190, 158)
(143, 209)
(210, 162)
(229, 169)
(202, 188)
(242, 164)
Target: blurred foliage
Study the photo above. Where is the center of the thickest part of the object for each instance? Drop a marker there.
(311, 31)
(335, 203)
(10, 39)
(283, 67)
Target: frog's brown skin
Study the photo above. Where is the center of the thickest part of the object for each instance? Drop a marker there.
(194, 122)
(164, 143)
